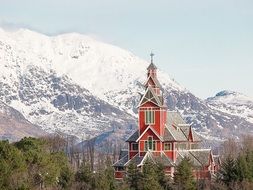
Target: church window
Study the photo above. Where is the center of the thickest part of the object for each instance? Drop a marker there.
(135, 146)
(150, 144)
(167, 146)
(149, 117)
(181, 146)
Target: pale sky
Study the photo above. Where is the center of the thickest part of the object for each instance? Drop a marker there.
(205, 45)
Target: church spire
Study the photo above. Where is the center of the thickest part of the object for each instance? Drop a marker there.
(152, 55)
(152, 65)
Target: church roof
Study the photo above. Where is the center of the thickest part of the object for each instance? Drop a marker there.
(136, 160)
(157, 83)
(151, 129)
(151, 66)
(198, 157)
(123, 153)
(178, 128)
(121, 162)
(163, 159)
(173, 134)
(187, 129)
(174, 118)
(133, 137)
(195, 136)
(150, 96)
(202, 155)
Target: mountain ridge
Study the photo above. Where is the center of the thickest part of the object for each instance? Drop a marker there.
(63, 81)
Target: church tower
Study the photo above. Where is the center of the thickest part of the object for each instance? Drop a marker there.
(152, 113)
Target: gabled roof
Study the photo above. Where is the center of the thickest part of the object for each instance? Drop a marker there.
(195, 136)
(150, 96)
(136, 160)
(163, 159)
(187, 130)
(198, 157)
(174, 118)
(202, 155)
(123, 153)
(151, 66)
(121, 162)
(172, 134)
(154, 79)
(186, 154)
(133, 137)
(149, 127)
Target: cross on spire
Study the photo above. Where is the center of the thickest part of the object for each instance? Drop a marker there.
(152, 55)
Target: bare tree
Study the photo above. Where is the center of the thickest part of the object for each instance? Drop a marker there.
(91, 151)
(230, 148)
(247, 142)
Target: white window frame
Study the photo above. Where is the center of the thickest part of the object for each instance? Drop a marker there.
(170, 146)
(132, 145)
(153, 144)
(149, 117)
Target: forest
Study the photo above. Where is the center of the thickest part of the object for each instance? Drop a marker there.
(51, 163)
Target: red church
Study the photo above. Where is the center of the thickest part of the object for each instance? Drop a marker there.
(163, 136)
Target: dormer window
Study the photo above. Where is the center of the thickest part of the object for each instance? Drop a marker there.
(149, 117)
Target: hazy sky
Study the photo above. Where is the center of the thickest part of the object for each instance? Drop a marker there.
(206, 45)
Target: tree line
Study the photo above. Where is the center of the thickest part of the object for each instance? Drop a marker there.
(49, 163)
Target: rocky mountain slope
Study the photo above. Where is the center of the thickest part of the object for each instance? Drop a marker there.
(77, 85)
(233, 103)
(14, 126)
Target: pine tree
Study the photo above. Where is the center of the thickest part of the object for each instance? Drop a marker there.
(242, 168)
(150, 176)
(133, 177)
(164, 181)
(84, 174)
(109, 175)
(228, 171)
(183, 177)
(249, 160)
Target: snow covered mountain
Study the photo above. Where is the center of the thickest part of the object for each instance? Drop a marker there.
(77, 85)
(233, 103)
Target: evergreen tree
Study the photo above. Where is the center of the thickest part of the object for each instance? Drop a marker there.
(228, 171)
(150, 176)
(249, 160)
(133, 177)
(12, 167)
(183, 177)
(164, 181)
(109, 175)
(85, 176)
(45, 168)
(242, 168)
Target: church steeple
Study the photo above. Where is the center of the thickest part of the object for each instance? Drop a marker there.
(152, 68)
(152, 77)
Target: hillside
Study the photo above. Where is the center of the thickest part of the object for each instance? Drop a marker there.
(78, 85)
(14, 126)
